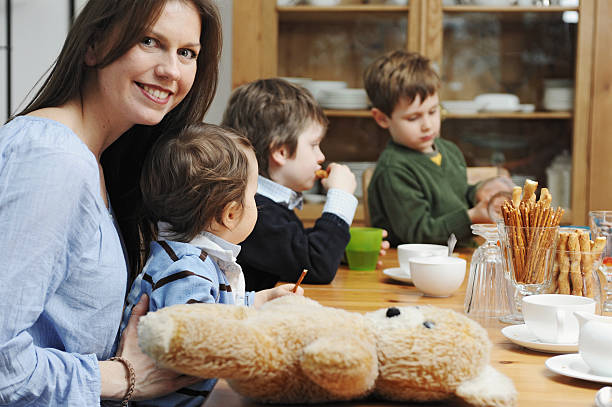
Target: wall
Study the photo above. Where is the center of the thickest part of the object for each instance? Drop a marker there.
(38, 30)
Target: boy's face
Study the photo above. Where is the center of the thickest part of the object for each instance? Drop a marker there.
(298, 172)
(414, 125)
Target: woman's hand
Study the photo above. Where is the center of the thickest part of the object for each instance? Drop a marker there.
(151, 381)
(264, 296)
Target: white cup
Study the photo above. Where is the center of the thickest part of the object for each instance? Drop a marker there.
(410, 250)
(550, 317)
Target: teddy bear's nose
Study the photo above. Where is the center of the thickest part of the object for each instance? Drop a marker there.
(392, 312)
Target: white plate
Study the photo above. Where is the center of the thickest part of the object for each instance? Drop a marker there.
(572, 365)
(521, 335)
(398, 274)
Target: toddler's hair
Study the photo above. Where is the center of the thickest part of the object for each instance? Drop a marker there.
(188, 179)
(272, 113)
(399, 74)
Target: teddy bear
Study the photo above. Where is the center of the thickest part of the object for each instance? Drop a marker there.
(294, 350)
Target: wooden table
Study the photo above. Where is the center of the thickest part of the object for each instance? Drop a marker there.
(363, 291)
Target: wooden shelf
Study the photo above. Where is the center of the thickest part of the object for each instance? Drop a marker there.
(508, 9)
(497, 115)
(365, 8)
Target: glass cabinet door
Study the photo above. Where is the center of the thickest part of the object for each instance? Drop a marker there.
(508, 76)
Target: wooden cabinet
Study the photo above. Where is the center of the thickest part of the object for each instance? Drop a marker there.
(479, 50)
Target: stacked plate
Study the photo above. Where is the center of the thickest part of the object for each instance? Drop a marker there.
(316, 87)
(346, 98)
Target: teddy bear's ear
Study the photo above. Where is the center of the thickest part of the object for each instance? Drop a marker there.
(490, 388)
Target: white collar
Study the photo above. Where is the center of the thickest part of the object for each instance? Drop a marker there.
(279, 193)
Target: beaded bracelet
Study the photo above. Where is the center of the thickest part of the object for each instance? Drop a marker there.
(131, 376)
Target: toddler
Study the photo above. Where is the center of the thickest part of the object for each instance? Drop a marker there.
(199, 194)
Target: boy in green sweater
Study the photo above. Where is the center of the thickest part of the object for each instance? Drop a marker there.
(419, 190)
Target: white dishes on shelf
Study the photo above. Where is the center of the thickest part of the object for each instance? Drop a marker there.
(558, 94)
(497, 102)
(461, 106)
(397, 273)
(572, 365)
(522, 336)
(297, 80)
(343, 98)
(323, 3)
(316, 87)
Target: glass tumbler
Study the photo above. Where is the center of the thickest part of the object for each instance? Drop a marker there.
(488, 294)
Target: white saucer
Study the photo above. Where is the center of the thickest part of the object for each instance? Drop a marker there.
(521, 335)
(572, 365)
(398, 274)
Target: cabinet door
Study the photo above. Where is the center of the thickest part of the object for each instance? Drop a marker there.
(511, 53)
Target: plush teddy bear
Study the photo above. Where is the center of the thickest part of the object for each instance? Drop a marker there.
(294, 350)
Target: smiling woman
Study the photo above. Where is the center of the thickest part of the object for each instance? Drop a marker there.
(128, 73)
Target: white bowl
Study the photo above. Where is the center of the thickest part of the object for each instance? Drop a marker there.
(438, 276)
(409, 250)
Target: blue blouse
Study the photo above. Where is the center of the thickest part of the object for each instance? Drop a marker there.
(63, 270)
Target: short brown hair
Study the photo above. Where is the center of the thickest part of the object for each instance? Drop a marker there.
(397, 75)
(272, 113)
(188, 179)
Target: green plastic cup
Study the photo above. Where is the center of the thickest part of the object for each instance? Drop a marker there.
(362, 250)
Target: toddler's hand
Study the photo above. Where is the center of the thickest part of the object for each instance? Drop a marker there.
(264, 296)
(340, 177)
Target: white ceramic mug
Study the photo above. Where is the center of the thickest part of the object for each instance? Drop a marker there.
(550, 317)
(410, 250)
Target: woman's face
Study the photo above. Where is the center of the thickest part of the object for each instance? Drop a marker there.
(154, 76)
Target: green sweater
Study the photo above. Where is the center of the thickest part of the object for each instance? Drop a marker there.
(417, 201)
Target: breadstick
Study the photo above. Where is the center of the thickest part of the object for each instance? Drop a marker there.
(587, 263)
(516, 196)
(564, 264)
(545, 197)
(575, 275)
(529, 190)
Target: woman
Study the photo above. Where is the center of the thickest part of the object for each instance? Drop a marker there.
(127, 69)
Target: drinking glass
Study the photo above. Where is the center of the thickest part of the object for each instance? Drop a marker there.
(488, 294)
(528, 257)
(601, 225)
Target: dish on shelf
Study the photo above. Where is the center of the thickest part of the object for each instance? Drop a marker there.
(572, 365)
(497, 102)
(521, 335)
(343, 98)
(396, 273)
(317, 87)
(323, 3)
(461, 106)
(297, 80)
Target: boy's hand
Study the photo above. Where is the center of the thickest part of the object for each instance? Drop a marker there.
(492, 186)
(264, 296)
(384, 245)
(340, 177)
(479, 213)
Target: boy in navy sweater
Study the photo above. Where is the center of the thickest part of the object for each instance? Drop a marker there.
(286, 125)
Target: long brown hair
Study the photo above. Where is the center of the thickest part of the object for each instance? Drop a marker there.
(117, 25)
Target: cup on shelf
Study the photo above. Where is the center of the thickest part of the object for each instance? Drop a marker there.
(550, 317)
(363, 248)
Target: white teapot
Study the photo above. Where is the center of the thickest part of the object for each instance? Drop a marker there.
(595, 342)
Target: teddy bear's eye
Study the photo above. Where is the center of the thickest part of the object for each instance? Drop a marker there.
(392, 312)
(428, 324)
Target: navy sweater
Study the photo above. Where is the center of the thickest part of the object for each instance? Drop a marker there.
(279, 247)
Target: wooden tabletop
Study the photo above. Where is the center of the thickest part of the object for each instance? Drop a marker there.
(363, 291)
